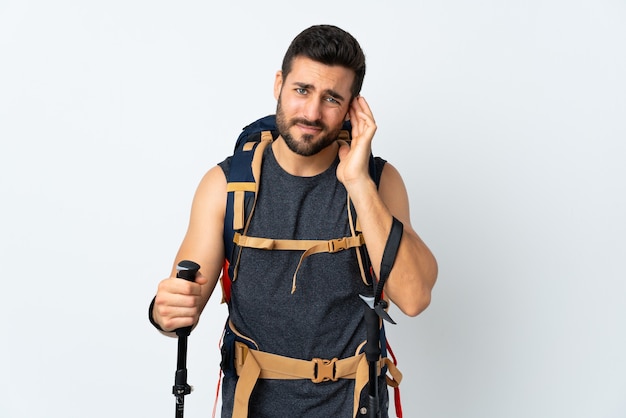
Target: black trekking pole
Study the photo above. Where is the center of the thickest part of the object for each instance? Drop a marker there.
(372, 355)
(185, 270)
(375, 311)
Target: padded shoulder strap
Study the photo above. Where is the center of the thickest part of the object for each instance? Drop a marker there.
(243, 182)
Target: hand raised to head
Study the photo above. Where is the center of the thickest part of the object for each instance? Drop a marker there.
(354, 159)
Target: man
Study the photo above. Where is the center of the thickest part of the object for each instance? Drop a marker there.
(289, 307)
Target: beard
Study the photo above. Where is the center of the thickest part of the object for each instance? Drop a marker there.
(306, 145)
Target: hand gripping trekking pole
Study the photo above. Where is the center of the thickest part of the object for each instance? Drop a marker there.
(185, 270)
(375, 310)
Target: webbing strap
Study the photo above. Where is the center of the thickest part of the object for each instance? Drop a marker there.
(241, 186)
(252, 365)
(238, 209)
(356, 230)
(259, 365)
(274, 366)
(245, 385)
(389, 255)
(309, 247)
(239, 190)
(395, 375)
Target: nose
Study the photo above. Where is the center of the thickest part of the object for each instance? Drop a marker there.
(312, 109)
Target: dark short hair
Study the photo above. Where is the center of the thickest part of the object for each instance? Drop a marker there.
(328, 45)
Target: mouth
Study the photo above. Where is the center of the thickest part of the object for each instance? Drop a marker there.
(308, 129)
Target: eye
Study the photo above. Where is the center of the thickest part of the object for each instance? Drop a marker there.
(301, 90)
(332, 100)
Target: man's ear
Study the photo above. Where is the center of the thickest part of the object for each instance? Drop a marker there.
(347, 117)
(278, 84)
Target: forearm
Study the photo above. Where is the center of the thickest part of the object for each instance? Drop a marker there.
(415, 270)
(178, 302)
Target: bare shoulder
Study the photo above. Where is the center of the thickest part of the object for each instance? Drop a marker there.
(390, 176)
(212, 189)
(213, 178)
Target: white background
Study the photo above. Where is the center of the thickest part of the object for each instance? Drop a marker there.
(506, 119)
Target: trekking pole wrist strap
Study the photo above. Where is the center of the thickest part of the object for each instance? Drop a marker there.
(151, 317)
(389, 255)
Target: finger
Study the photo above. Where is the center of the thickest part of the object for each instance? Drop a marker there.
(170, 312)
(355, 117)
(365, 124)
(176, 301)
(365, 107)
(343, 151)
(362, 107)
(365, 111)
(171, 323)
(175, 285)
(175, 311)
(201, 279)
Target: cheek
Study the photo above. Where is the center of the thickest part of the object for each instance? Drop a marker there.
(337, 117)
(291, 108)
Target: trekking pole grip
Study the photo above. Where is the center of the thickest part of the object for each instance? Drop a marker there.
(186, 270)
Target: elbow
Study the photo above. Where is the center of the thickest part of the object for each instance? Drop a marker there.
(415, 301)
(417, 305)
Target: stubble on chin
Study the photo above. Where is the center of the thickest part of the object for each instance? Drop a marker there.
(306, 144)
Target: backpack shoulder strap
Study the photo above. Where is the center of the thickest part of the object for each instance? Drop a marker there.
(242, 185)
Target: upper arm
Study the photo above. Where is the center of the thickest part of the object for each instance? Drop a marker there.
(393, 193)
(203, 241)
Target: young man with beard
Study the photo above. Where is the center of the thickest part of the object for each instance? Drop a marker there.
(293, 308)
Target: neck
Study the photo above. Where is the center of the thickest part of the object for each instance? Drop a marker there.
(301, 166)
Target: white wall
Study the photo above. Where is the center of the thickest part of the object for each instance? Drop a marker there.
(507, 120)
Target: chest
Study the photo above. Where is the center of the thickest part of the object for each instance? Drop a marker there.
(290, 207)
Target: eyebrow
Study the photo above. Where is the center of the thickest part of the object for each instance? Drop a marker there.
(329, 92)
